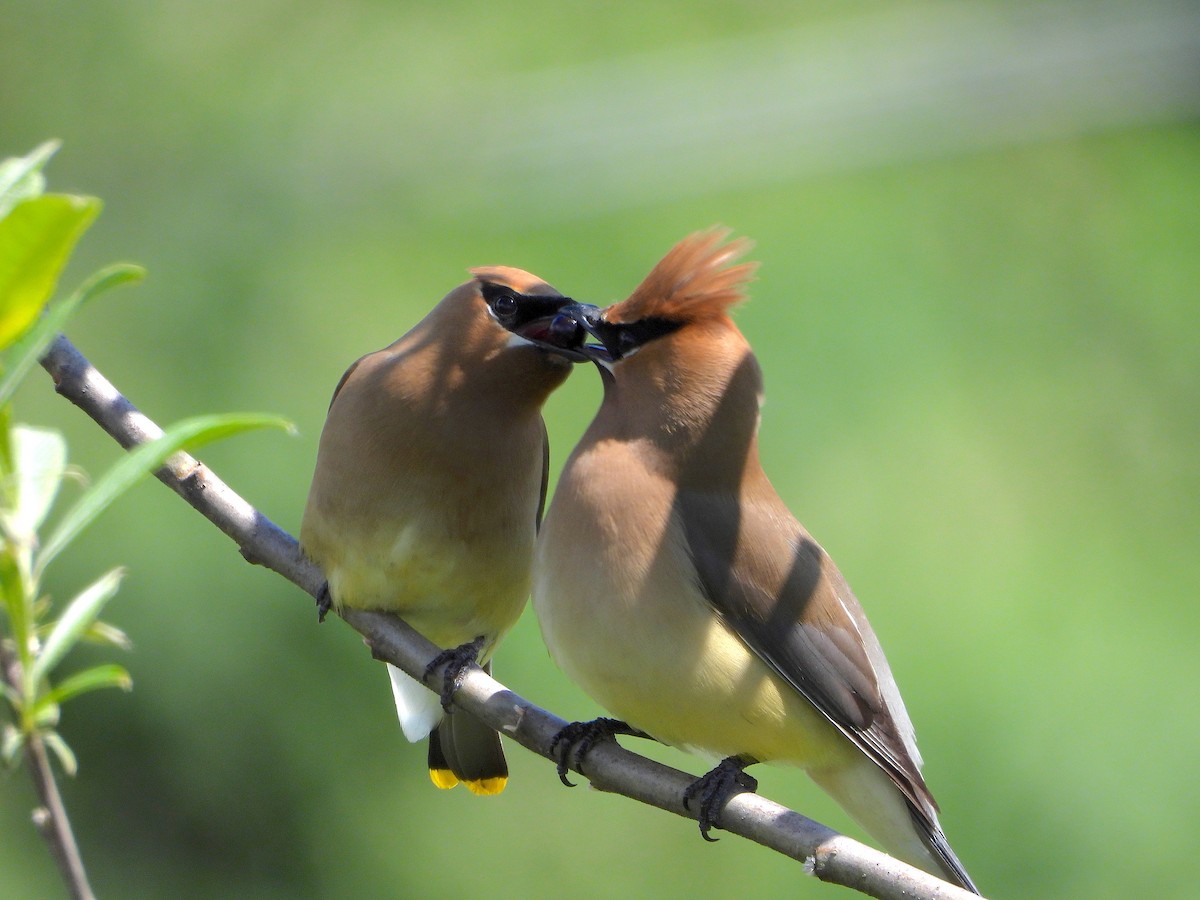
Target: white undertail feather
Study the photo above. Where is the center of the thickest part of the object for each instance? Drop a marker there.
(866, 792)
(418, 707)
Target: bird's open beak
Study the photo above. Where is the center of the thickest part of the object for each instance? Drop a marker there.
(564, 333)
(574, 323)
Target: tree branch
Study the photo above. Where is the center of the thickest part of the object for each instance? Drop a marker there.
(829, 856)
(51, 816)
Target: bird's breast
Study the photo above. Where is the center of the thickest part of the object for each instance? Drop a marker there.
(452, 562)
(620, 606)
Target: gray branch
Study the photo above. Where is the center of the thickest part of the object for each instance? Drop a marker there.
(829, 856)
(51, 816)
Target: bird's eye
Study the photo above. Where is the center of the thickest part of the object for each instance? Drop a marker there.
(627, 342)
(504, 305)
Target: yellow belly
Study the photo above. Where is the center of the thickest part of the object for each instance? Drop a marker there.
(623, 616)
(679, 674)
(449, 590)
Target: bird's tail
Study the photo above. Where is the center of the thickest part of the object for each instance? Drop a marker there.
(419, 708)
(873, 800)
(935, 839)
(461, 748)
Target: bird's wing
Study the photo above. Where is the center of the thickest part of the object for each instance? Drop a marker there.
(545, 475)
(342, 381)
(780, 593)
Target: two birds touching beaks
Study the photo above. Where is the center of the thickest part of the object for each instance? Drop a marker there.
(669, 579)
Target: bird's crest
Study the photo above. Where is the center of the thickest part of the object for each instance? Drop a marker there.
(694, 281)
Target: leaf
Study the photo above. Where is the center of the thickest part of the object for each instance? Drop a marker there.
(39, 460)
(16, 604)
(13, 698)
(36, 238)
(6, 456)
(104, 633)
(75, 620)
(21, 176)
(106, 676)
(32, 346)
(14, 743)
(145, 458)
(66, 756)
(43, 716)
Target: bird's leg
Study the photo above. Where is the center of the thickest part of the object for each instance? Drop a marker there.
(457, 661)
(324, 602)
(573, 741)
(716, 788)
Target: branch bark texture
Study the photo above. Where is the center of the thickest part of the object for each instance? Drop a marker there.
(829, 856)
(51, 816)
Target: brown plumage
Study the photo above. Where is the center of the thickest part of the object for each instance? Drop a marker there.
(429, 486)
(673, 584)
(693, 282)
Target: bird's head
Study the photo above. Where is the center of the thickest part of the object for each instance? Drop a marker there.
(677, 371)
(494, 333)
(695, 284)
(529, 310)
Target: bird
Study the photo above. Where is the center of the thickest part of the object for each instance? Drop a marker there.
(428, 489)
(675, 587)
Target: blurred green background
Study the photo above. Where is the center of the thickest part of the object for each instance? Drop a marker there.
(979, 228)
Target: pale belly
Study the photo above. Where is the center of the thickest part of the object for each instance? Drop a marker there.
(623, 617)
(447, 589)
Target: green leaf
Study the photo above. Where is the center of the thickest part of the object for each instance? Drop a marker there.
(39, 461)
(21, 176)
(14, 743)
(75, 620)
(66, 756)
(104, 633)
(13, 698)
(6, 456)
(32, 346)
(187, 434)
(36, 239)
(43, 716)
(106, 676)
(16, 604)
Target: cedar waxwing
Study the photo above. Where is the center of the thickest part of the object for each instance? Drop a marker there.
(429, 488)
(673, 585)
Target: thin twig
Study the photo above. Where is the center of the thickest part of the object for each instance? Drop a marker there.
(829, 856)
(51, 816)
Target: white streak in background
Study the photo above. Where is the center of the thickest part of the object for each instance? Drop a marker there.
(880, 89)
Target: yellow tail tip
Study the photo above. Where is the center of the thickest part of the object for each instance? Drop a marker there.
(486, 787)
(445, 779)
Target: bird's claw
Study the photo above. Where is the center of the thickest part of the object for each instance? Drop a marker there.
(457, 660)
(573, 742)
(324, 602)
(715, 788)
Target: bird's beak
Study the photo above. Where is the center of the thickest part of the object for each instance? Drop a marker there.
(564, 332)
(581, 320)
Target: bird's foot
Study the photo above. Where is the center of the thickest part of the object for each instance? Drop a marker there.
(573, 742)
(714, 789)
(457, 661)
(324, 602)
